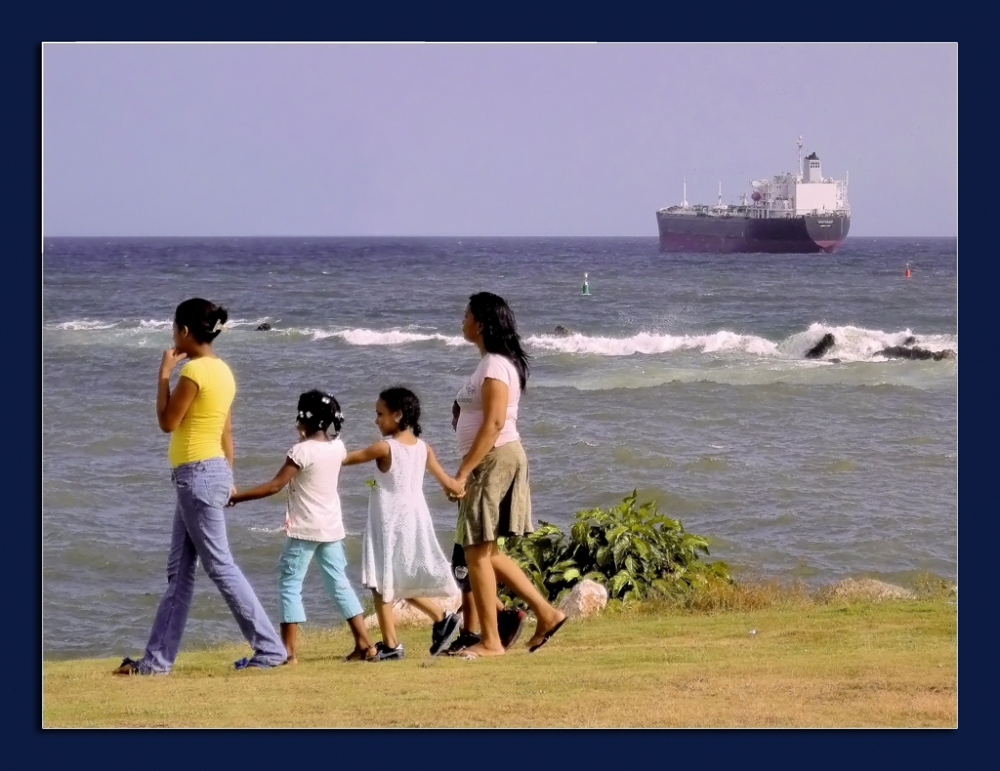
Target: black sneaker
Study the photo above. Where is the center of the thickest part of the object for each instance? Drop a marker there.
(384, 653)
(509, 624)
(463, 641)
(128, 667)
(442, 632)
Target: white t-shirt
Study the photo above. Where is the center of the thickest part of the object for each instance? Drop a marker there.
(313, 503)
(470, 399)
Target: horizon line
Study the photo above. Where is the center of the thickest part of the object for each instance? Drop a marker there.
(403, 235)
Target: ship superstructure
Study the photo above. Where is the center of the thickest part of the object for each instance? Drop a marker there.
(792, 212)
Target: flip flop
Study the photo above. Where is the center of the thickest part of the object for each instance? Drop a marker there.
(470, 655)
(548, 634)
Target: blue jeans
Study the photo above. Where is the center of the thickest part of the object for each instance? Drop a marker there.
(200, 534)
(292, 567)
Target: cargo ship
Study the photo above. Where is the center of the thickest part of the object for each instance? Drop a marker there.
(791, 213)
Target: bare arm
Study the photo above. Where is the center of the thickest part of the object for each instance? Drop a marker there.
(450, 486)
(227, 438)
(282, 478)
(495, 396)
(172, 407)
(372, 452)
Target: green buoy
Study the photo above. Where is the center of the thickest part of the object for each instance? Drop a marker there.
(586, 285)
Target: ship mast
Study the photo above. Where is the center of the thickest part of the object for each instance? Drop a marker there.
(799, 143)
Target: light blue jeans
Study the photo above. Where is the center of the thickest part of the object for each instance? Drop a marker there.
(292, 566)
(200, 534)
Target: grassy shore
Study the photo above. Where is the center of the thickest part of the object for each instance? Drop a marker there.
(747, 657)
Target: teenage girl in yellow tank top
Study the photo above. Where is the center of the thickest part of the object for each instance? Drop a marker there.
(197, 415)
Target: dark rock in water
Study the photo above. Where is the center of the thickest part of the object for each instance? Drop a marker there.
(263, 327)
(826, 342)
(899, 352)
(562, 331)
(834, 361)
(910, 340)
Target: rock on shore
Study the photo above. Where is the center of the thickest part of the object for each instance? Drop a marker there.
(585, 599)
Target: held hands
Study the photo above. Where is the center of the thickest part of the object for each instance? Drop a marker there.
(454, 489)
(171, 357)
(232, 492)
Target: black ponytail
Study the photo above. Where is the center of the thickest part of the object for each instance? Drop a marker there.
(320, 411)
(203, 319)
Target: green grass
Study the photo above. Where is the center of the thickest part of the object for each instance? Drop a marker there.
(836, 663)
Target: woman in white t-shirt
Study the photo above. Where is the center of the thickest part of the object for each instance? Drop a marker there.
(313, 522)
(494, 470)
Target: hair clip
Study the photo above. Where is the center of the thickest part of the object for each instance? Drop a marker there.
(219, 326)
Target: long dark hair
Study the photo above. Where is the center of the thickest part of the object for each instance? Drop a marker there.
(500, 331)
(202, 318)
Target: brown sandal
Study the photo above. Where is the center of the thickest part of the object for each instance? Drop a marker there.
(359, 654)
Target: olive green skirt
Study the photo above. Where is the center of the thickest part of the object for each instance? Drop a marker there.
(497, 499)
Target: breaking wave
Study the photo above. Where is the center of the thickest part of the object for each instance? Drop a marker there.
(650, 343)
(859, 344)
(391, 337)
(851, 343)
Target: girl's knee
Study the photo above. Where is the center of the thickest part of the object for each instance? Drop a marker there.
(287, 570)
(479, 551)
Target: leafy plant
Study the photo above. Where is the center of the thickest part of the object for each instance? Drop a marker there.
(631, 549)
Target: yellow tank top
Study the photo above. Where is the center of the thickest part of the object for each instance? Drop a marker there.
(199, 436)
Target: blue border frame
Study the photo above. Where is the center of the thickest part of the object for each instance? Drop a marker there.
(21, 55)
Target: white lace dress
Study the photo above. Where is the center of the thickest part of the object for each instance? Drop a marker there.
(400, 554)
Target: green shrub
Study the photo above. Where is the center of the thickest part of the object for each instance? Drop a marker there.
(632, 550)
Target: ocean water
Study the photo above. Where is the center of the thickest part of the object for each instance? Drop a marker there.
(684, 377)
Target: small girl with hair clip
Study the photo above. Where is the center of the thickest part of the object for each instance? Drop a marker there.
(313, 522)
(401, 555)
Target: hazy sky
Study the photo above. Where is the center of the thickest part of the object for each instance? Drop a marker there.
(430, 139)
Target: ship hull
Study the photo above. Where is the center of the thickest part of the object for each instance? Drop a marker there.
(794, 235)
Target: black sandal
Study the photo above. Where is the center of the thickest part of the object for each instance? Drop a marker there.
(548, 634)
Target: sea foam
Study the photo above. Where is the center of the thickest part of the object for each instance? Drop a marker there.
(851, 343)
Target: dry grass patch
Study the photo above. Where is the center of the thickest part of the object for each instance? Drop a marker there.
(808, 663)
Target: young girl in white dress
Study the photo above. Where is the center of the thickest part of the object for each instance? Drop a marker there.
(401, 557)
